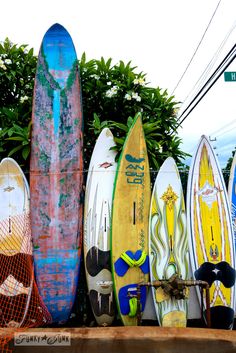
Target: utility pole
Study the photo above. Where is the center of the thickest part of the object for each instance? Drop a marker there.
(212, 139)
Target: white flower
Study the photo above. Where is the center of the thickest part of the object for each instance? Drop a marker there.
(136, 97)
(95, 76)
(8, 61)
(139, 81)
(109, 83)
(111, 92)
(176, 111)
(23, 99)
(2, 66)
(128, 97)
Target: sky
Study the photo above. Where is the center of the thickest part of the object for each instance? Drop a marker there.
(159, 37)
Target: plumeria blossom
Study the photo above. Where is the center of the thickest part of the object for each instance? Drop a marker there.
(2, 65)
(8, 61)
(95, 76)
(128, 97)
(111, 92)
(136, 96)
(23, 99)
(133, 95)
(139, 81)
(176, 111)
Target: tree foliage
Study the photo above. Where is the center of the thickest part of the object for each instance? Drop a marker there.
(17, 71)
(226, 170)
(111, 95)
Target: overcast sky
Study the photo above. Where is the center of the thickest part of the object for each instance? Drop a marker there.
(158, 36)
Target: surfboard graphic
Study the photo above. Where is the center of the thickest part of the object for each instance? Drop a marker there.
(212, 251)
(168, 243)
(56, 169)
(97, 224)
(131, 202)
(21, 305)
(232, 194)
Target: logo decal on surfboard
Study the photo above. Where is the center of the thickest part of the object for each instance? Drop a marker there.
(9, 189)
(134, 164)
(105, 165)
(214, 252)
(132, 159)
(208, 194)
(169, 197)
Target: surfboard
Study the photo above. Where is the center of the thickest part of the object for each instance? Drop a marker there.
(232, 194)
(20, 302)
(168, 243)
(56, 173)
(211, 245)
(129, 236)
(97, 224)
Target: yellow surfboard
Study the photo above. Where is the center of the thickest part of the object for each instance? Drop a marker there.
(130, 215)
(211, 243)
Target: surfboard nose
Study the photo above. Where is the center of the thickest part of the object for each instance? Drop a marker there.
(57, 27)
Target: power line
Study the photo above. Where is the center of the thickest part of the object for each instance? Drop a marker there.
(195, 52)
(223, 127)
(211, 81)
(210, 65)
(226, 132)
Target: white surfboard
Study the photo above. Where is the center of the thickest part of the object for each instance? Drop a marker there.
(168, 243)
(211, 242)
(97, 216)
(14, 215)
(21, 305)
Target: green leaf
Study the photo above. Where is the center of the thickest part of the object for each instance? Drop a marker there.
(119, 141)
(14, 150)
(26, 152)
(96, 121)
(15, 138)
(120, 126)
(130, 122)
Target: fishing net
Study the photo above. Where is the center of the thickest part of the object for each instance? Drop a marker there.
(20, 303)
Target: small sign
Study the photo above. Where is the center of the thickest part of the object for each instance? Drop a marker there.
(230, 76)
(42, 338)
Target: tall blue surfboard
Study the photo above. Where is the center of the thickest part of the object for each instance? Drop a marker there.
(56, 173)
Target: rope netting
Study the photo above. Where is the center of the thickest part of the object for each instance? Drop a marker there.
(20, 303)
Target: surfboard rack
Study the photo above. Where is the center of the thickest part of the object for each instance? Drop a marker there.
(176, 287)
